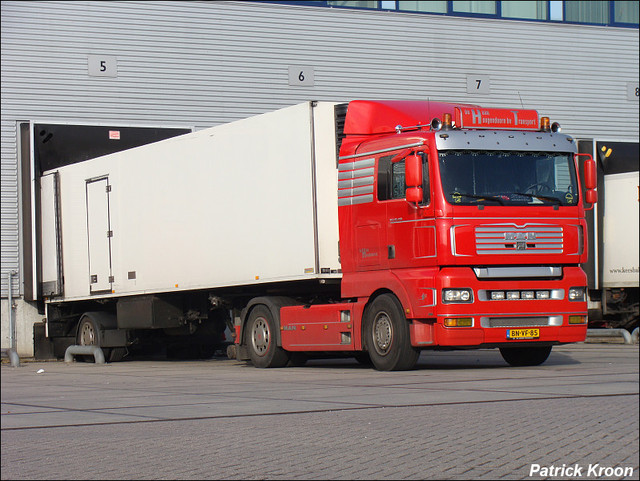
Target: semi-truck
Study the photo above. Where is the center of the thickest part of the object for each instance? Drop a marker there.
(372, 229)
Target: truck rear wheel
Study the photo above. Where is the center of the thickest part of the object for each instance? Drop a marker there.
(261, 339)
(387, 337)
(525, 356)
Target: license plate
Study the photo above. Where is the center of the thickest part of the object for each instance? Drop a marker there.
(523, 333)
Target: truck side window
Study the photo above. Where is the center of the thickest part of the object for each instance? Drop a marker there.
(391, 179)
(398, 185)
(384, 174)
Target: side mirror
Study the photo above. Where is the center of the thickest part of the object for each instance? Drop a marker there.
(590, 174)
(413, 171)
(590, 180)
(414, 194)
(413, 178)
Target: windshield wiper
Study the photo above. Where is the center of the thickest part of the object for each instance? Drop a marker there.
(481, 197)
(555, 200)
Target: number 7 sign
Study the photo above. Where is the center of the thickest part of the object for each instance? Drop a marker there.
(478, 84)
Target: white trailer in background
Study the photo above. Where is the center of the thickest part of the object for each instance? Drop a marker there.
(615, 268)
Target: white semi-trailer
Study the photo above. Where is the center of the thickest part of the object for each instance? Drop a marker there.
(175, 217)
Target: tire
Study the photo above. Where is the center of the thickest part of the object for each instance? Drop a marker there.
(261, 339)
(89, 334)
(386, 335)
(525, 356)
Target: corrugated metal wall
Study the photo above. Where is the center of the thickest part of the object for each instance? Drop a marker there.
(207, 62)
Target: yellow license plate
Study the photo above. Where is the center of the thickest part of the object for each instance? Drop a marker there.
(523, 333)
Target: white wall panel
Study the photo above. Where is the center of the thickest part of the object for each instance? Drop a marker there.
(205, 63)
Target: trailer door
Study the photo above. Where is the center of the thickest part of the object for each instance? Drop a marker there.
(51, 245)
(99, 235)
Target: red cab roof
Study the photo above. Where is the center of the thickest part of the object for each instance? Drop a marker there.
(366, 117)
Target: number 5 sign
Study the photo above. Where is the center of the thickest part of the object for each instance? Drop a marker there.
(102, 66)
(301, 75)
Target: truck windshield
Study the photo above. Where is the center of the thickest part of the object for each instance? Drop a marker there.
(508, 178)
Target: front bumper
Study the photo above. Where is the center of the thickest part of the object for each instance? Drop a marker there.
(493, 322)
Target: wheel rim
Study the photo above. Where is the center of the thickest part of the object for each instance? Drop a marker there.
(260, 336)
(87, 334)
(382, 333)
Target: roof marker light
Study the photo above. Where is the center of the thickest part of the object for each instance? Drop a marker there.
(544, 124)
(446, 124)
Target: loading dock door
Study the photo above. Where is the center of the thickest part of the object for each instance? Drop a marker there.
(99, 235)
(45, 147)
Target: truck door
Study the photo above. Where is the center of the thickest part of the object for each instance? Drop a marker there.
(99, 235)
(411, 233)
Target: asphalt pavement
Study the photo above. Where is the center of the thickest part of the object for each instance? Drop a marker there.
(458, 415)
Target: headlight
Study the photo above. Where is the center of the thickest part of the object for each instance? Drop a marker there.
(464, 296)
(577, 294)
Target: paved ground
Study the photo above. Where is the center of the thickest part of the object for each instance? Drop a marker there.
(459, 415)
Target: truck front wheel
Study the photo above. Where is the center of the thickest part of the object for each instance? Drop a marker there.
(261, 340)
(386, 335)
(525, 356)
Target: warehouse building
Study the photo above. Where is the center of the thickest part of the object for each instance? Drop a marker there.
(80, 79)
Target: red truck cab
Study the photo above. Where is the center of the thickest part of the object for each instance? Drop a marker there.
(466, 221)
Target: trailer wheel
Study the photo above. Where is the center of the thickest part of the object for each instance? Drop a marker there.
(89, 335)
(261, 340)
(386, 335)
(525, 356)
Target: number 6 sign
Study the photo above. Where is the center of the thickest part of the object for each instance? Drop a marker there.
(301, 75)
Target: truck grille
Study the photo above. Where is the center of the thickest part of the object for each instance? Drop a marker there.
(511, 239)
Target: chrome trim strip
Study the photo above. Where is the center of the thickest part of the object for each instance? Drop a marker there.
(350, 183)
(529, 227)
(368, 189)
(530, 238)
(520, 321)
(434, 297)
(402, 221)
(554, 295)
(452, 239)
(505, 251)
(517, 272)
(358, 164)
(362, 199)
(355, 174)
